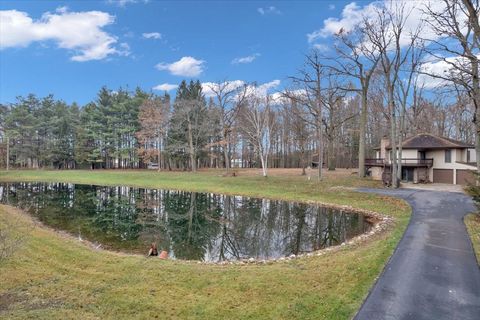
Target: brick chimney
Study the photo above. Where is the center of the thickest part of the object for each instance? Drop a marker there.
(383, 147)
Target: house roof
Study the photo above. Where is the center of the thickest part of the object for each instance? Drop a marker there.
(430, 141)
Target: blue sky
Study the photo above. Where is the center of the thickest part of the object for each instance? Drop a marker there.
(136, 43)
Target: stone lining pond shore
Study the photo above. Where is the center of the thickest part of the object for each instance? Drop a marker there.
(380, 223)
(91, 280)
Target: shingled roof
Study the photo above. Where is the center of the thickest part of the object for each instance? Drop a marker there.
(430, 141)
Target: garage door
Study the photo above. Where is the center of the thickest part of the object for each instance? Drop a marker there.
(465, 177)
(443, 176)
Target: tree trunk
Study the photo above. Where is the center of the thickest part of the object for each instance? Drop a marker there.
(191, 148)
(226, 156)
(159, 153)
(263, 160)
(362, 138)
(331, 155)
(476, 102)
(320, 151)
(393, 137)
(303, 162)
(320, 134)
(8, 153)
(400, 141)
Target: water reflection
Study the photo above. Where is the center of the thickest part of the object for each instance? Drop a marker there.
(189, 225)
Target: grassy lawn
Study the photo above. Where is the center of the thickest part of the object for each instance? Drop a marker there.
(56, 277)
(473, 226)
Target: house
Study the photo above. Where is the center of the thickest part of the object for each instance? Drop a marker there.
(153, 166)
(427, 158)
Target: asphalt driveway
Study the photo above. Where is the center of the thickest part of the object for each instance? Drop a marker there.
(433, 273)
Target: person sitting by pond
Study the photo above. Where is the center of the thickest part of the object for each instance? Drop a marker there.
(153, 250)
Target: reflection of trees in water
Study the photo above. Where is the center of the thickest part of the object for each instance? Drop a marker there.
(153, 218)
(193, 222)
(116, 213)
(268, 228)
(228, 246)
(197, 226)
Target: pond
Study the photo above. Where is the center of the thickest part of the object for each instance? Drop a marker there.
(189, 225)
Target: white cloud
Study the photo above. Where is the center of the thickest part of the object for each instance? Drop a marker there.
(125, 49)
(260, 91)
(321, 47)
(80, 32)
(129, 34)
(152, 35)
(269, 85)
(247, 59)
(186, 67)
(209, 87)
(165, 87)
(279, 97)
(353, 14)
(123, 3)
(268, 10)
(263, 89)
(440, 68)
(331, 7)
(62, 9)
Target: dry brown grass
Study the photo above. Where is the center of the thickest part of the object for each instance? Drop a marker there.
(290, 172)
(55, 277)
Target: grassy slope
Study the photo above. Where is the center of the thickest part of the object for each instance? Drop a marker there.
(54, 277)
(472, 222)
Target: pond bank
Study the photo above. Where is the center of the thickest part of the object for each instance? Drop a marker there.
(77, 283)
(190, 225)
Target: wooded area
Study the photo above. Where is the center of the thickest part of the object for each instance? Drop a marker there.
(334, 111)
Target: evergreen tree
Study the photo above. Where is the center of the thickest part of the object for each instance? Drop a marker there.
(189, 126)
(20, 125)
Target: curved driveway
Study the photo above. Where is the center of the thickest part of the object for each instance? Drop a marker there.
(433, 273)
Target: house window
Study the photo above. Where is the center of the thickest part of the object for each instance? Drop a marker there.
(468, 155)
(448, 156)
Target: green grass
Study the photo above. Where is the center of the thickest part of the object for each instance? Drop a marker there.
(54, 277)
(472, 221)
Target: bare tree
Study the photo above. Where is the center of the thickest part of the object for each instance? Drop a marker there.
(257, 125)
(459, 20)
(309, 94)
(191, 119)
(413, 55)
(229, 97)
(301, 130)
(153, 119)
(385, 33)
(356, 59)
(333, 101)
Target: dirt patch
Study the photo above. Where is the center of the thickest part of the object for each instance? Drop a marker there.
(45, 304)
(8, 299)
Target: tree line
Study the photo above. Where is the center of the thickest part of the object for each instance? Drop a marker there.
(333, 112)
(123, 129)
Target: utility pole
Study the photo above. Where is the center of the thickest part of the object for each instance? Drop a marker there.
(8, 153)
